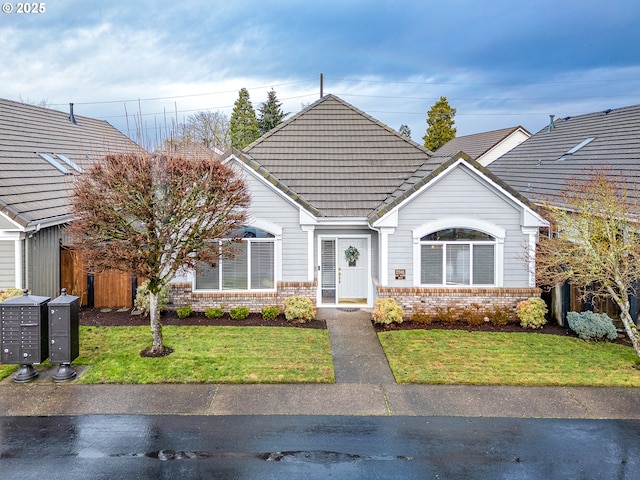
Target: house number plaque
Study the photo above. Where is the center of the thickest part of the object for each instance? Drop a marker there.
(401, 274)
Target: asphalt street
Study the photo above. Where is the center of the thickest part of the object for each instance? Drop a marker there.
(314, 447)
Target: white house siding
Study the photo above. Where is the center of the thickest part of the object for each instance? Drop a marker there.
(503, 147)
(459, 194)
(7, 264)
(269, 205)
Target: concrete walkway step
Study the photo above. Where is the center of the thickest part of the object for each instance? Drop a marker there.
(357, 354)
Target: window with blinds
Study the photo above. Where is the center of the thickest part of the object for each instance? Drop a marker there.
(457, 256)
(251, 268)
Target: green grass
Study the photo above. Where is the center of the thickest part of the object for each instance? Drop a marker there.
(206, 355)
(6, 370)
(482, 358)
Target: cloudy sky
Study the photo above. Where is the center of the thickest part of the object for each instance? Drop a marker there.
(500, 63)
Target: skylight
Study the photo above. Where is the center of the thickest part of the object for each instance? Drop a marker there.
(55, 163)
(584, 143)
(573, 150)
(69, 162)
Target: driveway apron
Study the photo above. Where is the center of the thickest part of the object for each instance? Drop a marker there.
(357, 354)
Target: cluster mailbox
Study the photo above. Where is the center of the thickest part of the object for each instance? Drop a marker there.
(23, 334)
(64, 334)
(34, 328)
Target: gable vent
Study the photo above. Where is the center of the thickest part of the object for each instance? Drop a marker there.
(55, 163)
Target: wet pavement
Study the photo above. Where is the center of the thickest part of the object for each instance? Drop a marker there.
(310, 447)
(363, 426)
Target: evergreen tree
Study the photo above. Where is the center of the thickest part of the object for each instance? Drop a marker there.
(440, 127)
(243, 127)
(270, 113)
(405, 131)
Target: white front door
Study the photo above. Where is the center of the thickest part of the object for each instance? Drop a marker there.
(352, 272)
(344, 270)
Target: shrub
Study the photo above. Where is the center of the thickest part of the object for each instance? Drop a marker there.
(10, 293)
(239, 313)
(299, 309)
(142, 298)
(387, 311)
(531, 312)
(184, 312)
(214, 312)
(474, 315)
(500, 316)
(420, 315)
(270, 313)
(592, 326)
(447, 315)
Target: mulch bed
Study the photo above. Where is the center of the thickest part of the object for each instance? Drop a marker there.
(114, 318)
(94, 317)
(549, 328)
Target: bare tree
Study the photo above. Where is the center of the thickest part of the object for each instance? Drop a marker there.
(156, 216)
(597, 246)
(208, 128)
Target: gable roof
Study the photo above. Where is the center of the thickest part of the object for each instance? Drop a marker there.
(336, 160)
(428, 173)
(35, 144)
(479, 145)
(541, 167)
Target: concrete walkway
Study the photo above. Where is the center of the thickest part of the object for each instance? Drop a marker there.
(364, 386)
(357, 354)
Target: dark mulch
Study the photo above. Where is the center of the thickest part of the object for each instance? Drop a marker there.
(93, 317)
(549, 328)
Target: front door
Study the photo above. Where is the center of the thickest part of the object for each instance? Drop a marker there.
(344, 270)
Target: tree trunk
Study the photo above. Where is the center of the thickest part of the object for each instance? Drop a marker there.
(630, 328)
(157, 348)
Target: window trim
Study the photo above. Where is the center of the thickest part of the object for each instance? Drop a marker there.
(495, 231)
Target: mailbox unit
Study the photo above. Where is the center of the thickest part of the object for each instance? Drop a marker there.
(23, 334)
(64, 313)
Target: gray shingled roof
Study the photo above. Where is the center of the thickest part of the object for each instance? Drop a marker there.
(32, 190)
(336, 160)
(477, 144)
(536, 167)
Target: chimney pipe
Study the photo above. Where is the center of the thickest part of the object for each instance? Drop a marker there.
(552, 125)
(321, 86)
(72, 118)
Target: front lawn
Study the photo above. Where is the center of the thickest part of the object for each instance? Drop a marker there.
(206, 355)
(489, 358)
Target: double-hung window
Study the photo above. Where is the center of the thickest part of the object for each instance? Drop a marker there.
(252, 266)
(458, 256)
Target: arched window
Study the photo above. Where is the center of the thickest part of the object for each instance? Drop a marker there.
(251, 268)
(458, 256)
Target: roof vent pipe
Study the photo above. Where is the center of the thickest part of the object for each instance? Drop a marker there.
(552, 125)
(71, 116)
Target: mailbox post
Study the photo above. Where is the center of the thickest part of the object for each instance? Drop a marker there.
(23, 334)
(64, 334)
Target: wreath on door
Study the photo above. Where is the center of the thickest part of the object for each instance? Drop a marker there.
(351, 254)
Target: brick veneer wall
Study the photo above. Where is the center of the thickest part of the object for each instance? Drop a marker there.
(428, 299)
(181, 294)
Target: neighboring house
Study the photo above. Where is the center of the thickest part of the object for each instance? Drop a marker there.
(345, 210)
(485, 147)
(41, 152)
(574, 148)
